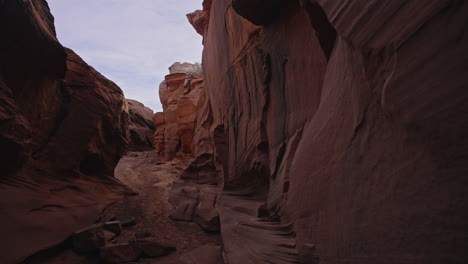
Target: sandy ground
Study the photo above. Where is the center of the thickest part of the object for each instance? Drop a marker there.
(152, 179)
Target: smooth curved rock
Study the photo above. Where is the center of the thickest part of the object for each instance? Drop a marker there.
(141, 126)
(207, 215)
(63, 128)
(347, 119)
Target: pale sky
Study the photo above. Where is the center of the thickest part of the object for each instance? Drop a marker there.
(131, 42)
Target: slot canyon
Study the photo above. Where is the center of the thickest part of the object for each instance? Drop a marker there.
(312, 131)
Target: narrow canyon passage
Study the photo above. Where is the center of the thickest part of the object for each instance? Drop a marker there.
(151, 179)
(312, 132)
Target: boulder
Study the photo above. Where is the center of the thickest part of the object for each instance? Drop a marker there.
(206, 214)
(113, 226)
(185, 200)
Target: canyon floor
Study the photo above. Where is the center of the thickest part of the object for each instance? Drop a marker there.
(151, 178)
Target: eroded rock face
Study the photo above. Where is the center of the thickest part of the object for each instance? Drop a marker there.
(182, 95)
(200, 18)
(345, 120)
(63, 128)
(183, 131)
(141, 126)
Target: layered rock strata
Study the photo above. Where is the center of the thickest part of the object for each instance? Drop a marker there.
(181, 94)
(338, 129)
(183, 132)
(63, 128)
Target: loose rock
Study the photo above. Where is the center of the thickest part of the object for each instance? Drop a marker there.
(128, 221)
(113, 226)
(109, 235)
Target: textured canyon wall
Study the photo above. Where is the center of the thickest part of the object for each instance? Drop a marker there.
(183, 133)
(141, 126)
(181, 94)
(63, 128)
(341, 124)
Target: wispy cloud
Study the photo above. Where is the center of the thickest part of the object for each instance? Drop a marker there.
(132, 42)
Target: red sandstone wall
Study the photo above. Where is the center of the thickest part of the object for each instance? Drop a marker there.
(141, 126)
(182, 96)
(63, 128)
(351, 116)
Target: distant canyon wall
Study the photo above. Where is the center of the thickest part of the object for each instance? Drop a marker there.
(346, 121)
(182, 95)
(63, 128)
(141, 126)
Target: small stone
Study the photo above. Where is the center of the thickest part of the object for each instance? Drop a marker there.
(109, 235)
(88, 239)
(113, 226)
(152, 248)
(128, 221)
(119, 253)
(142, 234)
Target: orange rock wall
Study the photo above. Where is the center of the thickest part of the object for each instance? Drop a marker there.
(348, 120)
(182, 95)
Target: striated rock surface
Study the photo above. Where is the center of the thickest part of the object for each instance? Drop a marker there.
(337, 129)
(181, 94)
(63, 128)
(141, 126)
(183, 133)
